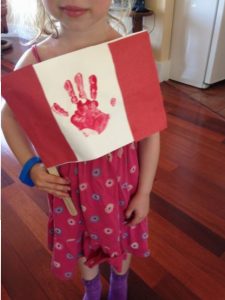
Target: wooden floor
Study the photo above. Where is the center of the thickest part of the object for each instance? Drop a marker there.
(187, 217)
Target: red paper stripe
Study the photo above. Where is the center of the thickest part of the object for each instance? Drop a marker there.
(34, 99)
(133, 68)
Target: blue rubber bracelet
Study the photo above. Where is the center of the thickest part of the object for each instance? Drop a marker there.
(25, 172)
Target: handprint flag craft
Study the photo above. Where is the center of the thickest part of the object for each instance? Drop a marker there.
(87, 103)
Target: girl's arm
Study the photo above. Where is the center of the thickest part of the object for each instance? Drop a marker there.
(24, 150)
(138, 207)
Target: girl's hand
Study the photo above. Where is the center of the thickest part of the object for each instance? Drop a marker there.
(55, 185)
(138, 208)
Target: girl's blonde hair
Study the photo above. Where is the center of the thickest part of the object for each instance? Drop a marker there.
(47, 25)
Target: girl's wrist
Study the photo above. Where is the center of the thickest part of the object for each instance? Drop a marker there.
(144, 193)
(144, 190)
(25, 172)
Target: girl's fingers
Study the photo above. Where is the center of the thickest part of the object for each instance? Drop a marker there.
(54, 187)
(60, 192)
(51, 184)
(136, 220)
(56, 193)
(56, 179)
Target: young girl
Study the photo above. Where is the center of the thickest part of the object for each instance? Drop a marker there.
(111, 193)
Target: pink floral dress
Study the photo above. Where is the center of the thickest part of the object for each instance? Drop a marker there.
(101, 190)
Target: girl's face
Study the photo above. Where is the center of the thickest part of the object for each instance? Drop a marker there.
(78, 14)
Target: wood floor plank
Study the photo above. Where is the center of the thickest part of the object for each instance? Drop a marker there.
(4, 294)
(152, 273)
(9, 162)
(5, 179)
(195, 131)
(201, 234)
(180, 263)
(185, 195)
(166, 164)
(199, 136)
(169, 288)
(179, 101)
(199, 186)
(26, 210)
(212, 98)
(212, 123)
(17, 279)
(210, 173)
(181, 146)
(190, 249)
(185, 148)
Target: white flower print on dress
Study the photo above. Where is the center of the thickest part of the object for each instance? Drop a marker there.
(114, 254)
(109, 208)
(83, 186)
(108, 230)
(127, 186)
(134, 245)
(70, 240)
(56, 264)
(130, 187)
(84, 208)
(120, 152)
(58, 231)
(58, 246)
(133, 169)
(71, 222)
(109, 182)
(145, 236)
(106, 249)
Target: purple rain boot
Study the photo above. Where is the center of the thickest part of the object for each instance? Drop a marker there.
(118, 286)
(93, 288)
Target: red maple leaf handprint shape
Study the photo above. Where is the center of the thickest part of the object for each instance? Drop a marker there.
(87, 117)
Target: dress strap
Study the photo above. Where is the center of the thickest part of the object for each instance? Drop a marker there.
(35, 53)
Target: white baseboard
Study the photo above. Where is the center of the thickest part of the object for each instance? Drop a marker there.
(163, 68)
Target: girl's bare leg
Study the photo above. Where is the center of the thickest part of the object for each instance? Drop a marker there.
(91, 281)
(126, 265)
(86, 272)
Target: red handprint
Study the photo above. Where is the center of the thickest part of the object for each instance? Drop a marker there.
(87, 117)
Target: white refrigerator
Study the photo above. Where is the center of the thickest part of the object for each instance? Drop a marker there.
(198, 42)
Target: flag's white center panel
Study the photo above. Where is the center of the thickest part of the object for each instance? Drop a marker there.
(91, 130)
